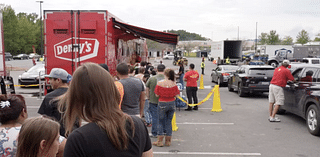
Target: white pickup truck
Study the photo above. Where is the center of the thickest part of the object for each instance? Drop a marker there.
(306, 61)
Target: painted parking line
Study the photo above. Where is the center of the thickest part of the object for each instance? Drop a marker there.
(188, 123)
(207, 153)
(200, 108)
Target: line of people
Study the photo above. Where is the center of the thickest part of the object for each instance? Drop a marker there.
(113, 109)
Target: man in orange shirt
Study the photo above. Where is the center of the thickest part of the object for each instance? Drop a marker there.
(118, 84)
(191, 77)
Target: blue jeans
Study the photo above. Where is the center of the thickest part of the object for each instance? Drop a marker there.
(147, 115)
(153, 108)
(166, 111)
(181, 80)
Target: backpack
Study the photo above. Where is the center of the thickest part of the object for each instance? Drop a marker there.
(179, 103)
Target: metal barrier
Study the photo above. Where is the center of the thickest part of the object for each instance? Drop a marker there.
(41, 86)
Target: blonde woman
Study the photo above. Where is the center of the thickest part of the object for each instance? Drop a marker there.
(93, 97)
(39, 137)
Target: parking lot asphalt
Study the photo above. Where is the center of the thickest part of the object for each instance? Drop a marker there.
(241, 129)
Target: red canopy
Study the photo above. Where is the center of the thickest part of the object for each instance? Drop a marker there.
(161, 37)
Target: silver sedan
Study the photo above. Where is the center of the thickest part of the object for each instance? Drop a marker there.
(222, 73)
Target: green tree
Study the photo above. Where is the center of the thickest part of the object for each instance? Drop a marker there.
(186, 36)
(273, 38)
(10, 24)
(21, 31)
(317, 38)
(287, 40)
(188, 47)
(263, 38)
(303, 37)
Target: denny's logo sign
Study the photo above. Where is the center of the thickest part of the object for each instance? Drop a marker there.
(88, 48)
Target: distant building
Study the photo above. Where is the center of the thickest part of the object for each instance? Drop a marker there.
(194, 45)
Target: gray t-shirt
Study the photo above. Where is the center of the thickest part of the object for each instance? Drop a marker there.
(151, 84)
(131, 99)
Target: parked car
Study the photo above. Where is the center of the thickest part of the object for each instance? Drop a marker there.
(34, 55)
(31, 76)
(168, 56)
(8, 56)
(210, 58)
(306, 61)
(222, 73)
(21, 56)
(303, 98)
(251, 79)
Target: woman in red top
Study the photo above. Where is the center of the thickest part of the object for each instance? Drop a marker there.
(166, 90)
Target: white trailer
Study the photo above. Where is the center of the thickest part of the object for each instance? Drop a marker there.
(231, 49)
(271, 50)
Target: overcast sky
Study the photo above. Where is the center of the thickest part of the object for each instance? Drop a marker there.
(215, 19)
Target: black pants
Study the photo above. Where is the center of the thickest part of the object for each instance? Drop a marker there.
(202, 71)
(192, 94)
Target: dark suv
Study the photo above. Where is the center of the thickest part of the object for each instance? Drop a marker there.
(251, 79)
(303, 98)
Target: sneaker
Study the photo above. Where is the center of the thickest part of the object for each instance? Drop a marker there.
(274, 119)
(195, 108)
(152, 136)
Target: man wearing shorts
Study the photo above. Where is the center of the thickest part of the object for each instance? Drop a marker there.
(276, 95)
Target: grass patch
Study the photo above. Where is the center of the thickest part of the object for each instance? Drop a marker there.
(190, 54)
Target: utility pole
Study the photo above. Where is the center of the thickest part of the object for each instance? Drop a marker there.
(238, 32)
(255, 48)
(41, 50)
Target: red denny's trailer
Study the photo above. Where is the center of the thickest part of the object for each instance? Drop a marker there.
(74, 37)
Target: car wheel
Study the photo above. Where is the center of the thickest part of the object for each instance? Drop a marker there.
(230, 89)
(313, 120)
(240, 91)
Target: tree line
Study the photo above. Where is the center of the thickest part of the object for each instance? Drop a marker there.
(273, 38)
(21, 31)
(186, 36)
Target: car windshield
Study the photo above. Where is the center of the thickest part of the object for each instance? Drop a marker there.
(36, 69)
(20, 55)
(261, 71)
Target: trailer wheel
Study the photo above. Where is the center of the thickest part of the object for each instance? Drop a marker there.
(274, 64)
